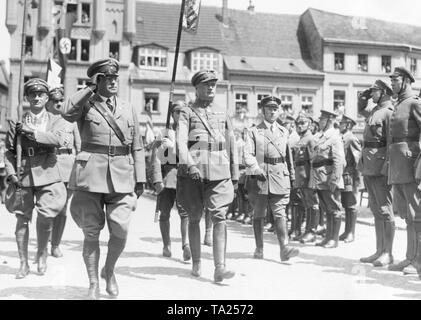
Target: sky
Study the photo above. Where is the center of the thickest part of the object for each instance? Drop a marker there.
(403, 11)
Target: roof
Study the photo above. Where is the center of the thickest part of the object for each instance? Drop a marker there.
(337, 27)
(4, 75)
(269, 65)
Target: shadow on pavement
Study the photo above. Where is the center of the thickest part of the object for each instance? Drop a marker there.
(46, 292)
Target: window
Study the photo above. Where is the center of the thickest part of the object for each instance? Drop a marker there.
(413, 67)
(81, 83)
(152, 58)
(151, 102)
(386, 64)
(204, 60)
(241, 103)
(115, 50)
(71, 8)
(362, 62)
(338, 100)
(73, 51)
(84, 56)
(259, 99)
(307, 104)
(286, 103)
(86, 13)
(339, 61)
(29, 46)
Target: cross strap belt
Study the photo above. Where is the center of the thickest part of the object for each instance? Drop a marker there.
(205, 145)
(103, 149)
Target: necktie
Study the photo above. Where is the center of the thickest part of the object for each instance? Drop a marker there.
(110, 105)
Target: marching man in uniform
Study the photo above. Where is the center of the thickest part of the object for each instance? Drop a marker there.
(40, 187)
(268, 160)
(109, 171)
(208, 168)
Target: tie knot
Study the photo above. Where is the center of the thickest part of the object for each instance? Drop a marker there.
(110, 105)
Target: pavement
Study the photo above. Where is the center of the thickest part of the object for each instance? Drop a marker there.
(144, 274)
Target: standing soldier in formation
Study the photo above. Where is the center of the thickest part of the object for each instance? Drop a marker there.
(109, 171)
(327, 165)
(302, 151)
(373, 167)
(404, 170)
(268, 158)
(65, 161)
(351, 176)
(40, 187)
(164, 177)
(208, 163)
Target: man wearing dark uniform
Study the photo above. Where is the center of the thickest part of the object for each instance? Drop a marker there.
(208, 168)
(373, 166)
(109, 171)
(40, 187)
(352, 148)
(327, 163)
(268, 159)
(65, 160)
(404, 149)
(164, 177)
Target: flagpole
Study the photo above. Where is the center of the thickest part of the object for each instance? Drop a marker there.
(174, 71)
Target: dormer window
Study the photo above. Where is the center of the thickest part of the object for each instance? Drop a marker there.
(152, 58)
(204, 59)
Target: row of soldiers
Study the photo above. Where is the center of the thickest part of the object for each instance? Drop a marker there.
(196, 165)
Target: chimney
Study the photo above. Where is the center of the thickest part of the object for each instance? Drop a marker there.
(250, 8)
(225, 11)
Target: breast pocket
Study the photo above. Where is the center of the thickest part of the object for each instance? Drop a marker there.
(93, 119)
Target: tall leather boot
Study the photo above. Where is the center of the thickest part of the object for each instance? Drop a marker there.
(328, 234)
(379, 229)
(294, 223)
(164, 226)
(417, 261)
(90, 255)
(207, 241)
(287, 252)
(321, 225)
(44, 227)
(194, 239)
(347, 224)
(115, 248)
(22, 237)
(386, 257)
(351, 229)
(258, 237)
(184, 221)
(334, 232)
(410, 249)
(300, 217)
(219, 251)
(311, 225)
(59, 223)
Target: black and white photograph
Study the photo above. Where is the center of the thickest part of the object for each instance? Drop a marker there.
(213, 155)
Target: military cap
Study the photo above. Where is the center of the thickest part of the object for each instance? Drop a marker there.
(106, 67)
(348, 118)
(328, 113)
(313, 119)
(203, 76)
(270, 100)
(303, 116)
(56, 94)
(35, 85)
(402, 72)
(290, 118)
(178, 105)
(379, 84)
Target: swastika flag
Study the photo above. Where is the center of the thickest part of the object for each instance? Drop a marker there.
(191, 15)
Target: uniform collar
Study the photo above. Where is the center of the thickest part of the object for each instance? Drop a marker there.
(37, 117)
(104, 99)
(406, 94)
(268, 124)
(330, 132)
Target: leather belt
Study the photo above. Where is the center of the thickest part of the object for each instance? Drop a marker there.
(374, 144)
(321, 163)
(241, 166)
(405, 139)
(210, 146)
(31, 151)
(273, 160)
(110, 150)
(299, 163)
(64, 151)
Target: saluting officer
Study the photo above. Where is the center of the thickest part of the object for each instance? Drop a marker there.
(404, 170)
(41, 187)
(268, 159)
(65, 160)
(327, 164)
(373, 166)
(164, 177)
(208, 163)
(109, 171)
(352, 148)
(302, 153)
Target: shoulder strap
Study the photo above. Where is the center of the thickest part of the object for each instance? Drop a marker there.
(205, 123)
(110, 120)
(274, 144)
